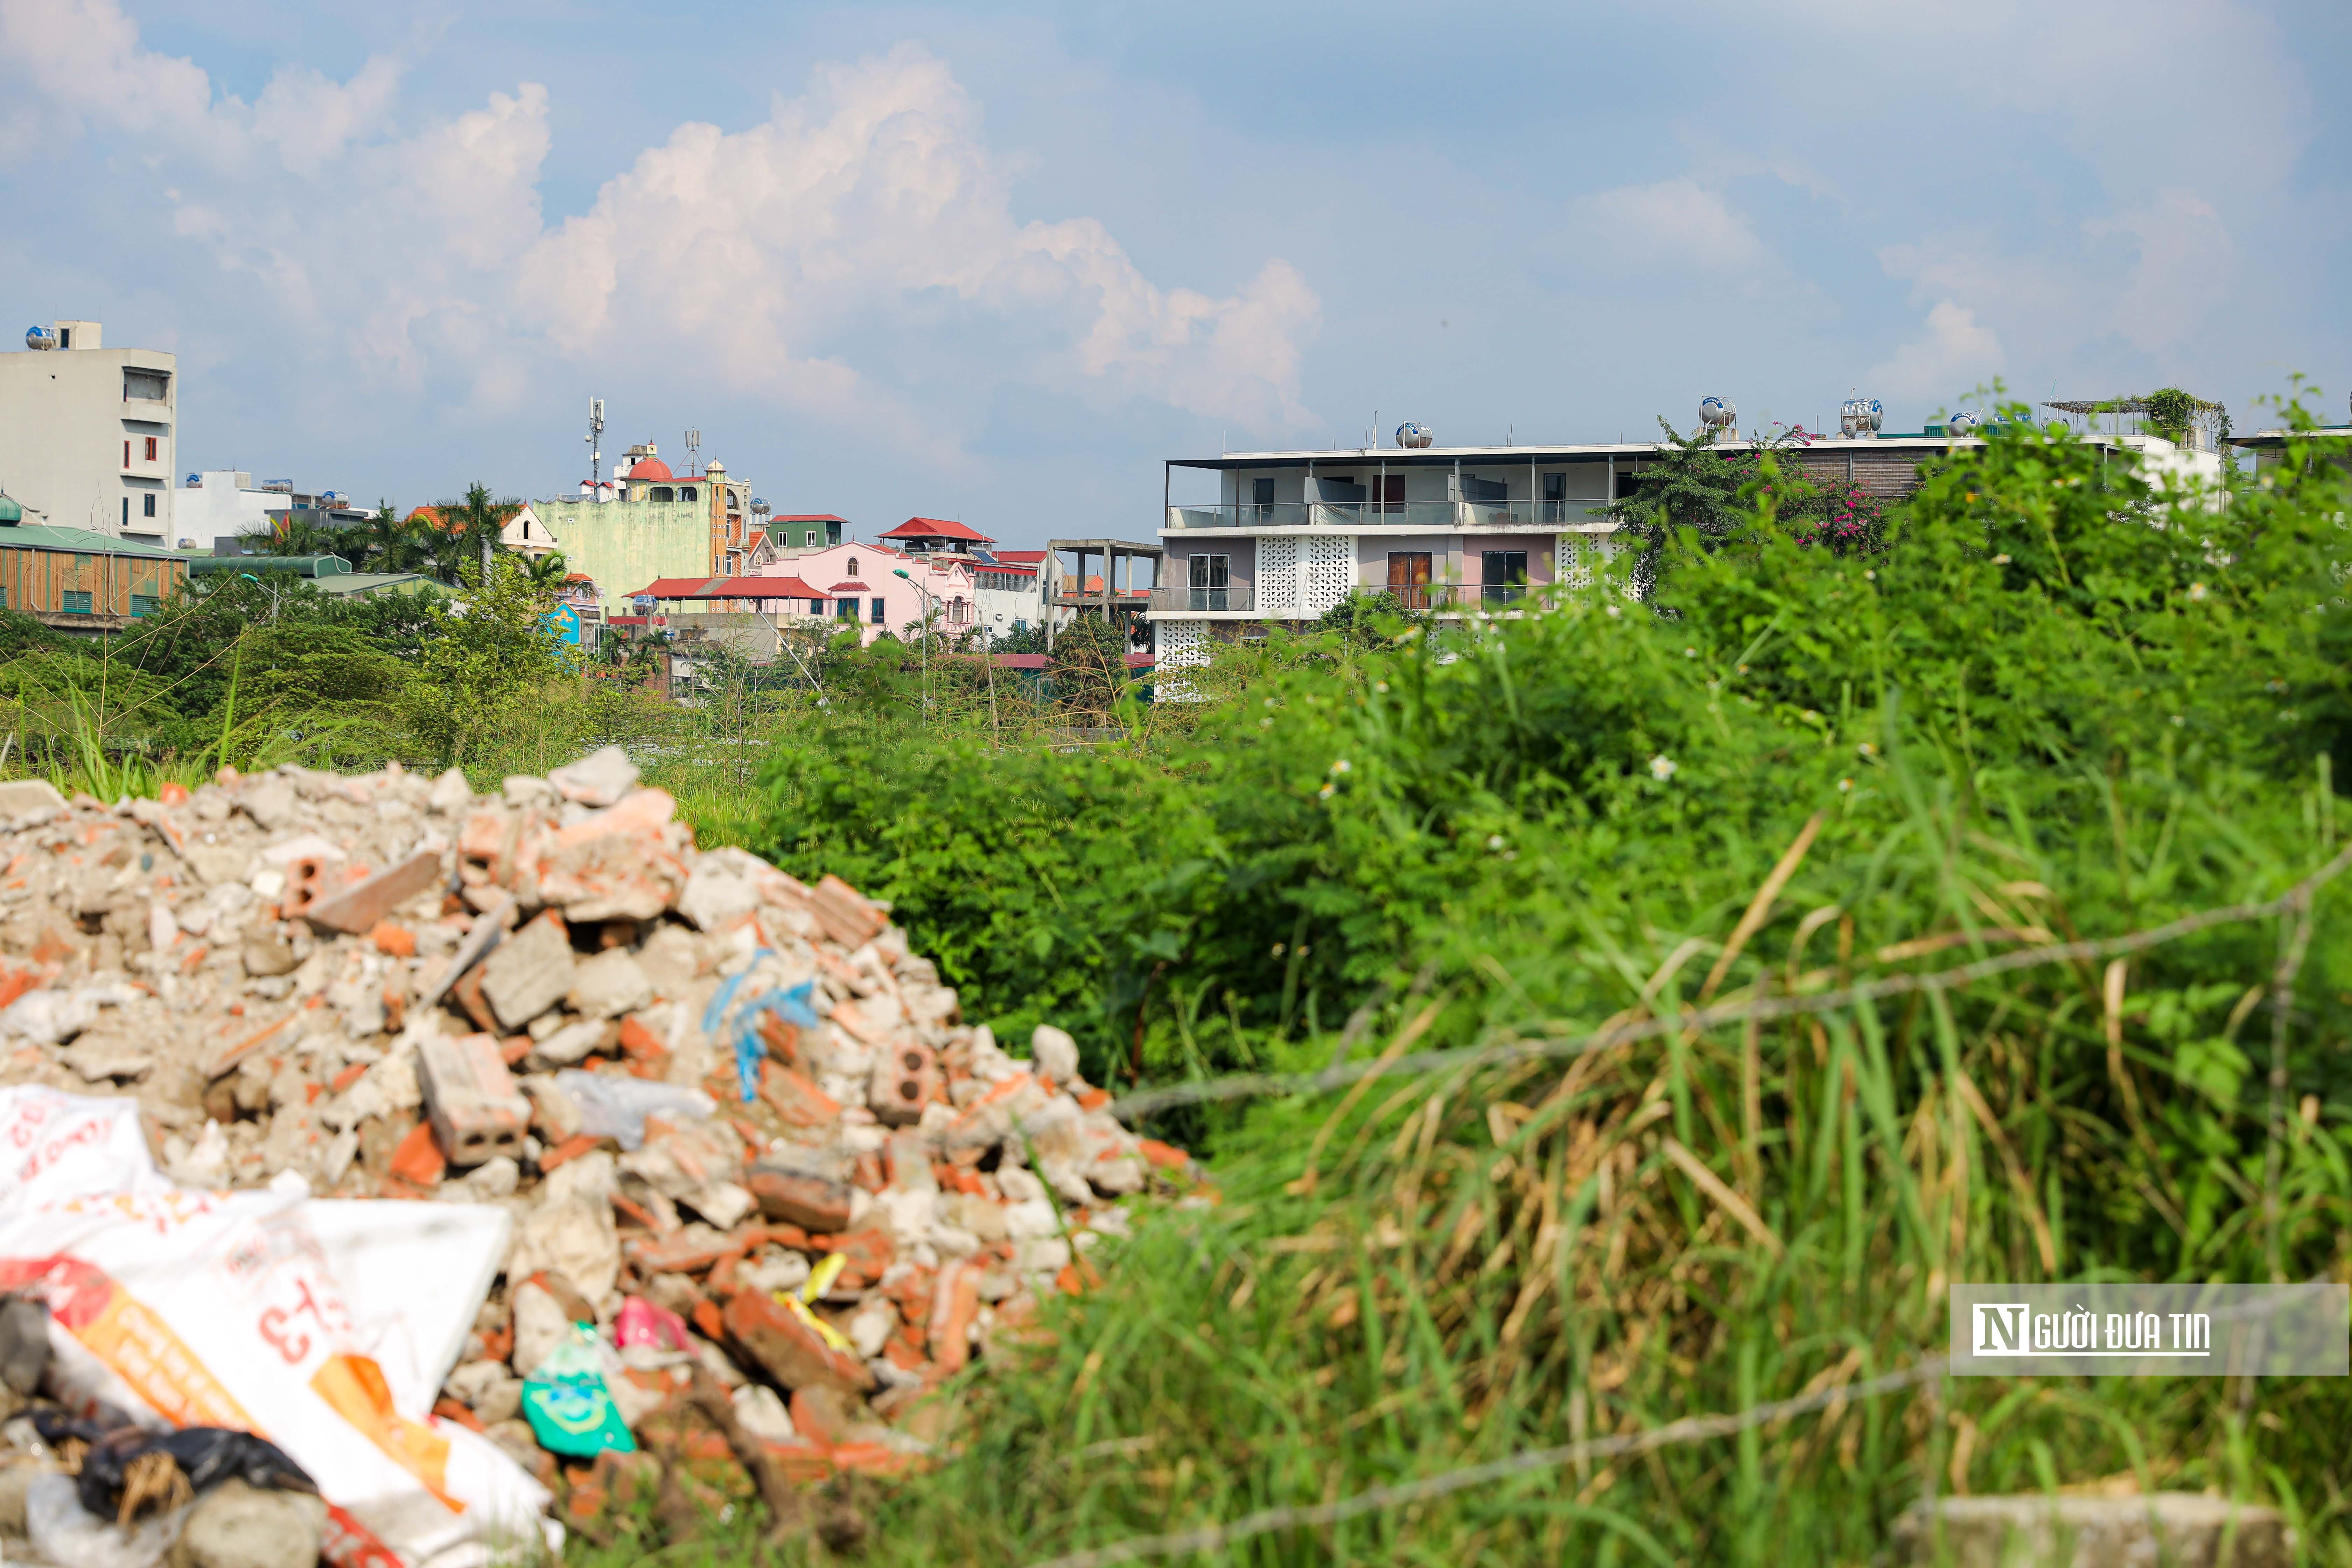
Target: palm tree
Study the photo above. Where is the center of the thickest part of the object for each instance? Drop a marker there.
(548, 569)
(384, 543)
(476, 524)
(295, 537)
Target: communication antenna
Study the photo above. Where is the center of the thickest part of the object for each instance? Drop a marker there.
(595, 447)
(693, 450)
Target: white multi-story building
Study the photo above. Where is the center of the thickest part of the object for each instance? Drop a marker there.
(86, 433)
(1460, 531)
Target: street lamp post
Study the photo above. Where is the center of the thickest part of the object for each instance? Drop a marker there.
(929, 602)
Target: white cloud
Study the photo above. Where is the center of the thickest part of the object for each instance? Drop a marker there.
(1677, 221)
(418, 252)
(2187, 263)
(1954, 354)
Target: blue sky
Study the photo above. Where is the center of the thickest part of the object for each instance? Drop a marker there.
(996, 263)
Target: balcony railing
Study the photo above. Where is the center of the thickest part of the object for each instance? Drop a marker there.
(1241, 597)
(1440, 598)
(1431, 517)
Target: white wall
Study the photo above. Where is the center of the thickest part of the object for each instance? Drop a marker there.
(63, 422)
(223, 505)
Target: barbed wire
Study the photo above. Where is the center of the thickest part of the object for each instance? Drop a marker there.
(1248, 1086)
(1689, 1429)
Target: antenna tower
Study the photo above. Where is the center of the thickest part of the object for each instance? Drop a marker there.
(694, 451)
(595, 447)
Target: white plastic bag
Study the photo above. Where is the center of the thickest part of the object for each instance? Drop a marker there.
(185, 1308)
(63, 1534)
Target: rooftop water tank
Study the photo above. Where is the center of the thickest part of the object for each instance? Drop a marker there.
(1717, 413)
(195, 481)
(1962, 424)
(1414, 437)
(40, 338)
(759, 507)
(1861, 418)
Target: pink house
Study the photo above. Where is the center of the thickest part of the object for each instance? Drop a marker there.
(862, 580)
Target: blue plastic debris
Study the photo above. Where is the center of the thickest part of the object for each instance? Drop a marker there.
(726, 1018)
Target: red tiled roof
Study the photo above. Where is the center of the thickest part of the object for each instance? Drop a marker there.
(806, 517)
(651, 468)
(1020, 557)
(851, 588)
(936, 528)
(728, 588)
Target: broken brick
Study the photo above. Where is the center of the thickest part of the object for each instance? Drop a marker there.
(418, 1159)
(787, 1349)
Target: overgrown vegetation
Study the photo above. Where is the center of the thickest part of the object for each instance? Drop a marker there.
(2056, 704)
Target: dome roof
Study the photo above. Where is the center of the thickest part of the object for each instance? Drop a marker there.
(651, 468)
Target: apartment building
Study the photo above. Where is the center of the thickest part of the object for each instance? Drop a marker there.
(86, 433)
(1455, 531)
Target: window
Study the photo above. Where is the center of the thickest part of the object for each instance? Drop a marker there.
(853, 565)
(77, 604)
(846, 609)
(3, 599)
(152, 385)
(126, 506)
(1211, 577)
(878, 617)
(126, 454)
(1262, 500)
(1628, 481)
(143, 604)
(1503, 575)
(65, 337)
(811, 539)
(151, 449)
(686, 492)
(148, 502)
(661, 492)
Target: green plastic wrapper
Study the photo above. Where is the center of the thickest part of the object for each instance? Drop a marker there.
(569, 1409)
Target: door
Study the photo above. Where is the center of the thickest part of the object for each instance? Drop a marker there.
(1408, 578)
(1503, 574)
(1210, 580)
(1555, 498)
(1388, 495)
(1261, 502)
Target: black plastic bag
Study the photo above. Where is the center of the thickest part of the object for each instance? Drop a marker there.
(127, 1472)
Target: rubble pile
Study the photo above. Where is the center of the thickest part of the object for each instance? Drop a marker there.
(767, 1191)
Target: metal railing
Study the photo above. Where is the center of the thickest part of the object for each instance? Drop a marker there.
(1439, 598)
(1239, 597)
(1434, 517)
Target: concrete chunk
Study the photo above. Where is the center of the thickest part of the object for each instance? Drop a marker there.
(2184, 1529)
(530, 973)
(235, 1525)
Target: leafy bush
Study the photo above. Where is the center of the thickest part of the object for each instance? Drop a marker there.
(2059, 705)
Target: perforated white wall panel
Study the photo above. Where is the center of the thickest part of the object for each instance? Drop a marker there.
(1182, 643)
(1277, 574)
(1328, 574)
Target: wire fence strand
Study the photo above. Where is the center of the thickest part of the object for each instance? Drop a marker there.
(1250, 1086)
(1689, 1429)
